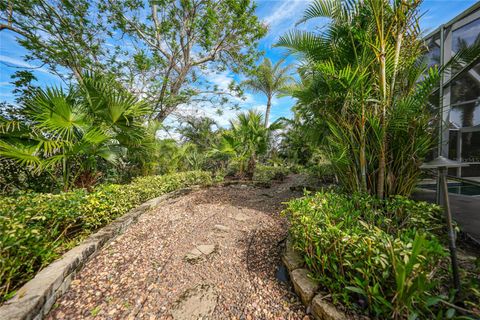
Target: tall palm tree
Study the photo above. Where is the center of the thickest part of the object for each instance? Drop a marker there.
(360, 75)
(269, 79)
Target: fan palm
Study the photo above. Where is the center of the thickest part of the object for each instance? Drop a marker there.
(246, 139)
(269, 79)
(71, 131)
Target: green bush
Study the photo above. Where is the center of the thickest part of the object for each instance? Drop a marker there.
(265, 173)
(35, 227)
(376, 257)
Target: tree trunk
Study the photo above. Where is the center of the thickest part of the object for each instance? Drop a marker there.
(382, 160)
(363, 161)
(252, 162)
(267, 112)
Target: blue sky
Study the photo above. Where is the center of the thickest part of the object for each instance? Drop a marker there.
(280, 15)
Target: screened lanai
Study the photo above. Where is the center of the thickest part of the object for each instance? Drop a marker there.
(458, 99)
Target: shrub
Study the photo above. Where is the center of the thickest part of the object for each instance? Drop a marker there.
(265, 173)
(379, 257)
(34, 228)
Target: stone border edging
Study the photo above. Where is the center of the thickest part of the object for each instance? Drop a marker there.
(306, 288)
(35, 298)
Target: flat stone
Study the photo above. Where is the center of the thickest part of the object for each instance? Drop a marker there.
(196, 303)
(323, 310)
(304, 286)
(193, 255)
(200, 252)
(206, 249)
(240, 216)
(291, 258)
(219, 227)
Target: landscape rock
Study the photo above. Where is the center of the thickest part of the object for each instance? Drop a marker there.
(200, 251)
(220, 227)
(291, 258)
(323, 310)
(303, 285)
(196, 303)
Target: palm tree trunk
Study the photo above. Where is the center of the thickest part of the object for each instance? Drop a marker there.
(363, 161)
(252, 163)
(383, 143)
(267, 112)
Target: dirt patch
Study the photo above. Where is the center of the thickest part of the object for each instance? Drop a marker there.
(143, 274)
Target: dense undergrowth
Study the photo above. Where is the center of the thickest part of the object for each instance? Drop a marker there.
(381, 258)
(35, 228)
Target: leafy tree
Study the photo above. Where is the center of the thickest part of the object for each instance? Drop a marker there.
(269, 79)
(70, 132)
(67, 36)
(24, 87)
(292, 144)
(179, 38)
(157, 49)
(246, 140)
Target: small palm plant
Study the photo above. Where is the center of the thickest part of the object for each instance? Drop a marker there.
(71, 131)
(246, 140)
(269, 79)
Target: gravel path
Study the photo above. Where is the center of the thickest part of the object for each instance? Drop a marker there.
(155, 270)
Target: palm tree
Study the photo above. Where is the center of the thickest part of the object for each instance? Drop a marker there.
(270, 80)
(199, 131)
(72, 131)
(364, 75)
(359, 75)
(246, 140)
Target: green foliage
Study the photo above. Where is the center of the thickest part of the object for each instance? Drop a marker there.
(170, 45)
(35, 227)
(375, 256)
(364, 83)
(245, 141)
(267, 173)
(199, 131)
(72, 132)
(269, 79)
(14, 178)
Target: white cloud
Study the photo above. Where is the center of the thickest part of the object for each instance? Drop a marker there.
(20, 63)
(207, 111)
(222, 80)
(287, 11)
(283, 17)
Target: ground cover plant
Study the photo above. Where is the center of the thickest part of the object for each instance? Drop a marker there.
(36, 227)
(378, 257)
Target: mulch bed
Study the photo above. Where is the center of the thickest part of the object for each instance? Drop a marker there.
(143, 273)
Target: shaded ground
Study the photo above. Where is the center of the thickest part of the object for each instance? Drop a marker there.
(143, 274)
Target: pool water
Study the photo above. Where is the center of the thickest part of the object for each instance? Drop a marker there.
(457, 188)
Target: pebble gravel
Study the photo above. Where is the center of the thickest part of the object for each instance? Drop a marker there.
(143, 273)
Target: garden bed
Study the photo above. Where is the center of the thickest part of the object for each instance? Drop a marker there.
(35, 299)
(382, 259)
(36, 229)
